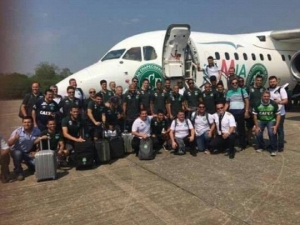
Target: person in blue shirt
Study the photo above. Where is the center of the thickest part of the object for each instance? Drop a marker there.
(22, 141)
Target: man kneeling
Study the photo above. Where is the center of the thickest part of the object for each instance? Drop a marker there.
(182, 134)
(225, 124)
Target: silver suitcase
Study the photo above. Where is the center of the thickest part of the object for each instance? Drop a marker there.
(127, 137)
(45, 163)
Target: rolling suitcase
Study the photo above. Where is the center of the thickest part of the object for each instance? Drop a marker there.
(116, 146)
(146, 151)
(102, 150)
(84, 154)
(127, 138)
(45, 163)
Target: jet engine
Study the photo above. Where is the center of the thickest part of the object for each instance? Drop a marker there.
(295, 66)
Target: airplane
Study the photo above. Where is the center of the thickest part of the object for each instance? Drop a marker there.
(177, 53)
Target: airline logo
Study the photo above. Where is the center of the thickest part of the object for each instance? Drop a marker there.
(150, 71)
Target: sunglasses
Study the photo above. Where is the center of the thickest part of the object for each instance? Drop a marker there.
(71, 92)
(220, 108)
(135, 81)
(92, 92)
(233, 83)
(192, 83)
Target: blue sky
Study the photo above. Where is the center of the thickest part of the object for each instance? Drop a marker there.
(76, 33)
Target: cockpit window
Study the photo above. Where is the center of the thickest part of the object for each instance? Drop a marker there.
(133, 54)
(114, 54)
(149, 53)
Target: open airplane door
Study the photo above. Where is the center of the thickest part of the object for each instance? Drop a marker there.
(174, 48)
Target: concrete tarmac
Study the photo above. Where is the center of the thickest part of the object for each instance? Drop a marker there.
(253, 188)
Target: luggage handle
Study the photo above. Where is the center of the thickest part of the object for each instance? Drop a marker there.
(48, 142)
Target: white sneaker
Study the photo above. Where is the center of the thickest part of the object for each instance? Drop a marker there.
(259, 150)
(207, 152)
(274, 153)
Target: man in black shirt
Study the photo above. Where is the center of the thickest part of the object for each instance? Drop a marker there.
(30, 100)
(131, 106)
(220, 94)
(159, 130)
(192, 97)
(167, 88)
(44, 109)
(209, 99)
(158, 99)
(106, 94)
(175, 103)
(68, 102)
(96, 117)
(145, 95)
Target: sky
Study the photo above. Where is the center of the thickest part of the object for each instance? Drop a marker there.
(77, 33)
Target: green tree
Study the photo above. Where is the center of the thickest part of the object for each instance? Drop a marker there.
(65, 72)
(45, 70)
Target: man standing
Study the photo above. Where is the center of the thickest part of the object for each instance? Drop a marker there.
(106, 94)
(209, 99)
(45, 109)
(158, 99)
(68, 102)
(279, 95)
(21, 141)
(231, 75)
(78, 91)
(237, 103)
(266, 114)
(4, 161)
(145, 95)
(167, 87)
(192, 97)
(175, 103)
(96, 117)
(56, 97)
(30, 99)
(212, 70)
(225, 124)
(255, 93)
(131, 106)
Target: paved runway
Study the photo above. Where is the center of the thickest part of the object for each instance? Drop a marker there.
(253, 188)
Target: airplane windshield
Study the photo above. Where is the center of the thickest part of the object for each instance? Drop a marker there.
(114, 54)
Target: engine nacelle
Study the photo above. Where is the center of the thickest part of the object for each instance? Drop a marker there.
(295, 66)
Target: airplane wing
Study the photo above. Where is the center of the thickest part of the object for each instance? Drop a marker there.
(288, 36)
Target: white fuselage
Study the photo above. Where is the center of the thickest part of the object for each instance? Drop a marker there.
(231, 49)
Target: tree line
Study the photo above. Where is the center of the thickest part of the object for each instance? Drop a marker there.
(16, 85)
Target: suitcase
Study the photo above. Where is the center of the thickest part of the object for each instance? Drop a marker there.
(127, 138)
(116, 145)
(84, 154)
(146, 151)
(102, 150)
(45, 163)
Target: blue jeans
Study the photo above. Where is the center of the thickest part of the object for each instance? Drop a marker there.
(18, 156)
(280, 133)
(203, 141)
(273, 137)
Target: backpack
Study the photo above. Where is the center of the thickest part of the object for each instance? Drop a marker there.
(194, 118)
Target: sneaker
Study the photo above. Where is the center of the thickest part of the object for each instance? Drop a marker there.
(207, 152)
(164, 147)
(280, 150)
(274, 153)
(20, 177)
(259, 150)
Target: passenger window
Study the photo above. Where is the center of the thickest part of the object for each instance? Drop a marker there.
(261, 56)
(289, 57)
(227, 56)
(133, 54)
(245, 56)
(149, 53)
(283, 57)
(253, 56)
(236, 56)
(217, 55)
(269, 57)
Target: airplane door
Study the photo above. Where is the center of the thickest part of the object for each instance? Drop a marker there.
(175, 43)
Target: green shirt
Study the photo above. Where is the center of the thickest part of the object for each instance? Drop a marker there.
(266, 112)
(74, 126)
(97, 111)
(192, 97)
(55, 138)
(255, 94)
(175, 101)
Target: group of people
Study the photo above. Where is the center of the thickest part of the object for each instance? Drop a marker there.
(182, 118)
